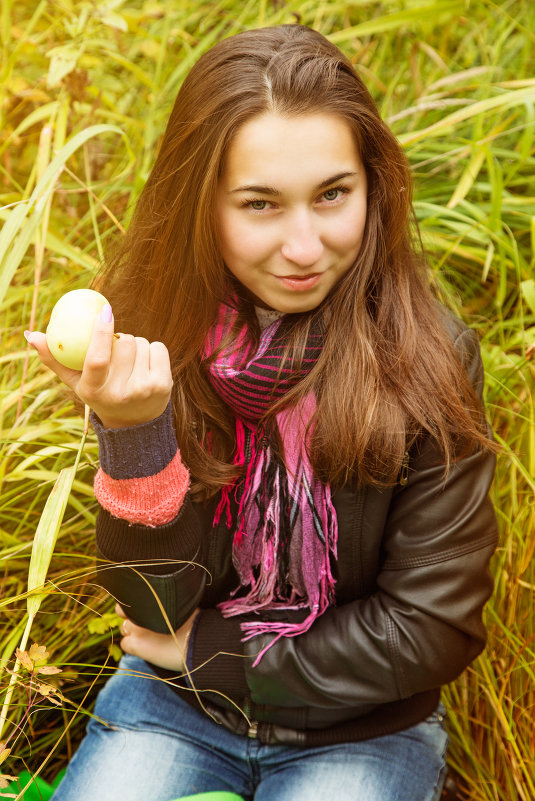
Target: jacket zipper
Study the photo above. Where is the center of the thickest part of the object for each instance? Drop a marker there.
(252, 730)
(404, 473)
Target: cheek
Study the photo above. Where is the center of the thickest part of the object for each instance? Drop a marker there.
(243, 240)
(349, 232)
(348, 238)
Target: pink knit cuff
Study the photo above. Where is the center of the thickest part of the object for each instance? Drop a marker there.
(150, 501)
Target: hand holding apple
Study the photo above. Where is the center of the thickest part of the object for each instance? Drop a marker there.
(125, 379)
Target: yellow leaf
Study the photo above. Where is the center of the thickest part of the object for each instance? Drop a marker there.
(38, 653)
(104, 623)
(46, 689)
(56, 701)
(63, 60)
(48, 670)
(4, 753)
(114, 20)
(24, 659)
(115, 652)
(5, 779)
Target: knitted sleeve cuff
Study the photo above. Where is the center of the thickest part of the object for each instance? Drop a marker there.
(216, 654)
(150, 501)
(136, 451)
(141, 477)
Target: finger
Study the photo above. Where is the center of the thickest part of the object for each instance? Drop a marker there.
(160, 362)
(160, 368)
(98, 356)
(130, 629)
(140, 370)
(122, 362)
(38, 341)
(119, 611)
(159, 649)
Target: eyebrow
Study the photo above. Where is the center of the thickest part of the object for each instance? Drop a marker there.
(269, 190)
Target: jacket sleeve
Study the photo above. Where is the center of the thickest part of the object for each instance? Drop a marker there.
(154, 574)
(148, 532)
(421, 626)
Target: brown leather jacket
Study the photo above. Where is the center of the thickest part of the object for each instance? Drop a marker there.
(412, 581)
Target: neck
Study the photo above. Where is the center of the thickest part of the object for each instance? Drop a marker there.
(266, 316)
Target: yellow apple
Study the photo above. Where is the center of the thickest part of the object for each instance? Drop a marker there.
(71, 325)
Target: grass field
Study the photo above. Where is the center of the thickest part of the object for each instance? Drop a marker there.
(85, 90)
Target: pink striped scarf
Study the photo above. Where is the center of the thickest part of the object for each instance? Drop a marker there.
(284, 520)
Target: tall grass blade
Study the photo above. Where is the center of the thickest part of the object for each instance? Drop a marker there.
(395, 20)
(43, 547)
(506, 100)
(46, 536)
(16, 237)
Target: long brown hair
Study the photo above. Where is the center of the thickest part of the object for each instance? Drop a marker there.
(388, 369)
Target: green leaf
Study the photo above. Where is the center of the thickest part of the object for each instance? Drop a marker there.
(528, 292)
(104, 623)
(63, 60)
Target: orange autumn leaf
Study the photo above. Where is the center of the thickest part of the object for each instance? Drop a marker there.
(24, 659)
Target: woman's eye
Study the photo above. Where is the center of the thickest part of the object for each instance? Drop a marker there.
(258, 205)
(332, 194)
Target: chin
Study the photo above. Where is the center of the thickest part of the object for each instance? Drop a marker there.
(294, 304)
(299, 306)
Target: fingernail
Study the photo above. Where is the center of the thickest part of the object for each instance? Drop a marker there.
(28, 335)
(106, 314)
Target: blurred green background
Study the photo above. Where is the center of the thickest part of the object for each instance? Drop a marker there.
(85, 91)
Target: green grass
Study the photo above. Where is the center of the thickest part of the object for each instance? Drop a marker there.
(85, 90)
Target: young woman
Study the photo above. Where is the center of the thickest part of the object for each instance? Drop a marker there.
(294, 459)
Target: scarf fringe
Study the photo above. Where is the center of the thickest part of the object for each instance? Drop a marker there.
(258, 520)
(285, 525)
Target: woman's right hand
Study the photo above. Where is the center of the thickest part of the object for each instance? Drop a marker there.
(126, 380)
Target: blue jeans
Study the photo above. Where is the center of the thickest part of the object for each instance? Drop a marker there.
(157, 748)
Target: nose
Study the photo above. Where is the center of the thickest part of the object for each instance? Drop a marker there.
(302, 242)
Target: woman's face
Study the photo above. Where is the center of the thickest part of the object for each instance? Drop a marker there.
(291, 208)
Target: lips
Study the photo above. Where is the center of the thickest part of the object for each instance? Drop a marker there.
(300, 281)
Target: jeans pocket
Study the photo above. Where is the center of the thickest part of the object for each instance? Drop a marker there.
(433, 729)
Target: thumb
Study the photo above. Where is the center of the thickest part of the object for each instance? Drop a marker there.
(99, 351)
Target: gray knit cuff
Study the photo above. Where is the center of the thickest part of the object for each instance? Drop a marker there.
(136, 451)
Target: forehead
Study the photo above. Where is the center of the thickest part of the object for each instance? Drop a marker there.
(283, 149)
